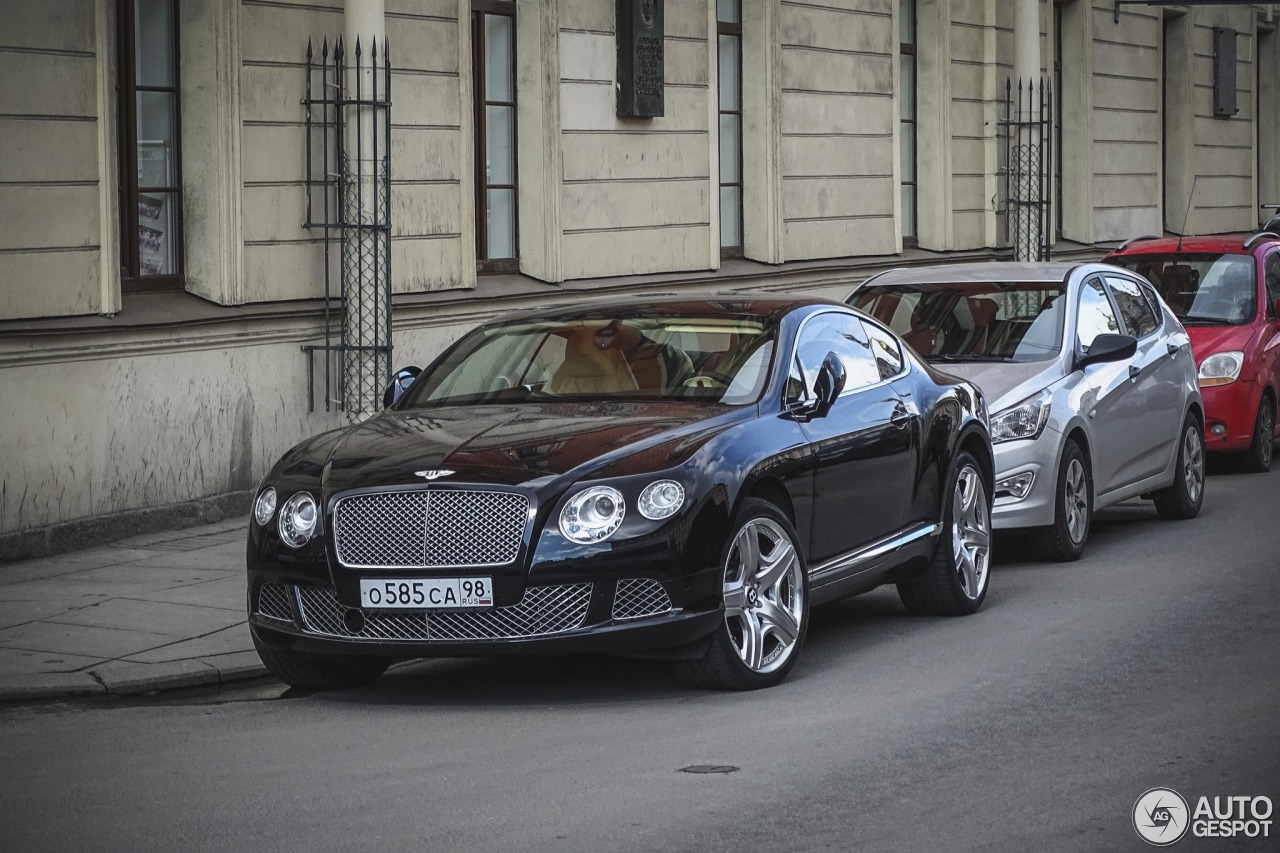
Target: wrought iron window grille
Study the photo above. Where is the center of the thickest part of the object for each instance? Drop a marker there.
(348, 198)
(1028, 168)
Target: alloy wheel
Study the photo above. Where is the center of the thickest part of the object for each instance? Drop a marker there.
(970, 532)
(1193, 463)
(1266, 433)
(1075, 499)
(763, 595)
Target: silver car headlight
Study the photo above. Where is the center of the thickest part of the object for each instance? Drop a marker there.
(592, 515)
(1024, 420)
(1221, 368)
(661, 499)
(265, 506)
(298, 519)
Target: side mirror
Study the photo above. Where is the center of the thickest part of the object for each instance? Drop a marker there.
(829, 384)
(1109, 348)
(399, 383)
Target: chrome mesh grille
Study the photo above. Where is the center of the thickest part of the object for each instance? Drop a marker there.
(637, 597)
(426, 529)
(543, 610)
(273, 602)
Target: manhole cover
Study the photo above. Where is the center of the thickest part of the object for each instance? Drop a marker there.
(709, 768)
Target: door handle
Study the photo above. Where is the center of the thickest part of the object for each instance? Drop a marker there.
(1174, 349)
(1134, 371)
(900, 417)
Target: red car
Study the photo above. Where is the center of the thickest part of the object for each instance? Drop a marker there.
(1226, 291)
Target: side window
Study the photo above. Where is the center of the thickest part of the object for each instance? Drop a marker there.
(1095, 315)
(843, 335)
(885, 349)
(1273, 283)
(1139, 319)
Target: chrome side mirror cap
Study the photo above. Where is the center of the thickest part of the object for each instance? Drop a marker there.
(400, 382)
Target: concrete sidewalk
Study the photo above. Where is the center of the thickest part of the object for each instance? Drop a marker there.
(152, 612)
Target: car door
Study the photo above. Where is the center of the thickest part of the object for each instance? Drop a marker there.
(1156, 378)
(1269, 346)
(863, 448)
(1105, 401)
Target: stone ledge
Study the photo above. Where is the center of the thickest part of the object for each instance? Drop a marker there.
(103, 529)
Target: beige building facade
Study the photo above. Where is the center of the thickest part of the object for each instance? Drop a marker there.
(151, 330)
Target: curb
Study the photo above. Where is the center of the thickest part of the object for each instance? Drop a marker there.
(130, 679)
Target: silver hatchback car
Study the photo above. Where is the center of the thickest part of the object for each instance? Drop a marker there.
(1089, 376)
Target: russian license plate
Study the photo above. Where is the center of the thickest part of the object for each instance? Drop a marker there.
(432, 594)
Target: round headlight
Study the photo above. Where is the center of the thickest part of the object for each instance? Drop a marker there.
(298, 520)
(661, 499)
(265, 506)
(1221, 368)
(593, 514)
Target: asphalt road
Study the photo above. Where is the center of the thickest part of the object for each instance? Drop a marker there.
(1034, 725)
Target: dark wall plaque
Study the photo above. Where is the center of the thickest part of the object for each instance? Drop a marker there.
(1224, 73)
(640, 54)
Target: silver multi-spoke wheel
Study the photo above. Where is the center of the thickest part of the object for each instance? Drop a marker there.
(1193, 462)
(954, 582)
(1075, 500)
(970, 532)
(763, 595)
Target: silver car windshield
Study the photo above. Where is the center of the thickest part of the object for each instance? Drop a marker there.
(972, 321)
(1202, 289)
(622, 356)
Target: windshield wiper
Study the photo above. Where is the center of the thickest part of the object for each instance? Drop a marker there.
(1193, 320)
(954, 359)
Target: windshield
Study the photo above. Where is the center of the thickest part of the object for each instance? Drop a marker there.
(619, 356)
(972, 321)
(1202, 289)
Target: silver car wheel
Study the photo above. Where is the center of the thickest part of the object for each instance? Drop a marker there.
(1193, 463)
(1266, 433)
(1075, 500)
(970, 532)
(763, 595)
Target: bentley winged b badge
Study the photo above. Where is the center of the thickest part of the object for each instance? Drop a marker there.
(433, 473)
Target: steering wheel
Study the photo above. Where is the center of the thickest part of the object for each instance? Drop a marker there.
(708, 379)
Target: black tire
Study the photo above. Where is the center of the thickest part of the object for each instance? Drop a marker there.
(320, 672)
(1064, 540)
(1258, 459)
(722, 666)
(945, 588)
(1184, 498)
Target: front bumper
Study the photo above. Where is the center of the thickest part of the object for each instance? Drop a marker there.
(631, 615)
(1040, 458)
(1231, 412)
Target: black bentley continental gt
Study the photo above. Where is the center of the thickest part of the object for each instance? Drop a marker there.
(679, 478)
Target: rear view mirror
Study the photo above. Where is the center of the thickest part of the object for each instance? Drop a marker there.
(1109, 348)
(399, 384)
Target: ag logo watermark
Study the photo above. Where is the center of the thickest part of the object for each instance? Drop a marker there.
(1161, 816)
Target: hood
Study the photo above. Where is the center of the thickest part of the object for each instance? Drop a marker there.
(1206, 340)
(1004, 383)
(511, 444)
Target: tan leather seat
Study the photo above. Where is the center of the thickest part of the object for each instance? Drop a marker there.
(588, 369)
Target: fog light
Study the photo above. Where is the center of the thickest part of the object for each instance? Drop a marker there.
(353, 621)
(1017, 486)
(1218, 430)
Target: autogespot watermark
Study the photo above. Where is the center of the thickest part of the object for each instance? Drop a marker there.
(1162, 816)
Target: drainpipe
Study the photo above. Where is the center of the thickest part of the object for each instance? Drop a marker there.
(366, 316)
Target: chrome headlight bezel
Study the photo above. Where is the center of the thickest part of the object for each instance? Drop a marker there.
(1221, 368)
(661, 499)
(264, 506)
(1025, 420)
(592, 515)
(298, 519)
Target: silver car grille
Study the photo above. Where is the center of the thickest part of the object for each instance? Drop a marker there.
(273, 602)
(638, 597)
(543, 610)
(427, 529)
